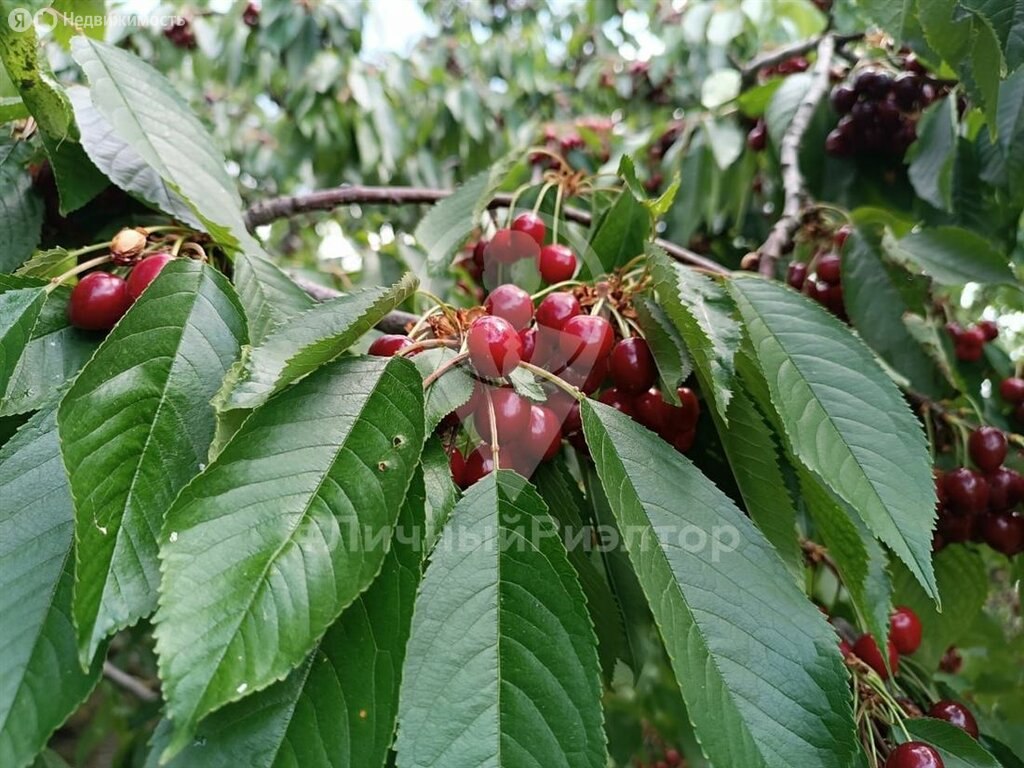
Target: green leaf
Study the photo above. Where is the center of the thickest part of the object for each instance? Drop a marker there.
(307, 341)
(951, 256)
(955, 746)
(890, 16)
(135, 427)
(12, 108)
(621, 232)
(339, 707)
(757, 664)
(703, 314)
(784, 103)
(41, 682)
(947, 31)
(720, 87)
(963, 586)
(447, 393)
(983, 71)
(20, 53)
(501, 668)
(843, 417)
(21, 208)
(269, 296)
(301, 502)
(19, 310)
(78, 180)
(667, 346)
(48, 264)
(932, 157)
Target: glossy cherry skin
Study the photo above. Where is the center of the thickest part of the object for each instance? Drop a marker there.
(145, 272)
(966, 492)
(866, 649)
(796, 274)
(914, 754)
(457, 464)
(511, 415)
(619, 400)
(509, 246)
(512, 303)
(478, 464)
(956, 714)
(529, 338)
(632, 365)
(829, 268)
(987, 446)
(1004, 489)
(557, 263)
(586, 339)
(905, 630)
(1004, 532)
(688, 411)
(495, 348)
(652, 411)
(556, 309)
(389, 345)
(1012, 390)
(757, 139)
(531, 225)
(841, 235)
(843, 98)
(988, 329)
(543, 436)
(98, 301)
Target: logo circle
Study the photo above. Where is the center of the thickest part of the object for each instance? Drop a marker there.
(20, 19)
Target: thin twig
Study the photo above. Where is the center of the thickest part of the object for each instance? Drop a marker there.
(793, 183)
(131, 684)
(750, 70)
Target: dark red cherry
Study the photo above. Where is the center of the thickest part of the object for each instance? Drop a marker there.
(532, 225)
(529, 338)
(619, 400)
(914, 754)
(988, 329)
(457, 464)
(796, 274)
(98, 301)
(905, 630)
(956, 714)
(652, 411)
(841, 235)
(586, 339)
(843, 99)
(866, 649)
(145, 272)
(632, 365)
(1004, 489)
(389, 345)
(511, 415)
(555, 310)
(828, 268)
(495, 348)
(512, 303)
(757, 139)
(509, 246)
(968, 351)
(1004, 532)
(543, 436)
(906, 90)
(573, 422)
(688, 412)
(557, 263)
(987, 446)
(966, 491)
(1012, 390)
(478, 464)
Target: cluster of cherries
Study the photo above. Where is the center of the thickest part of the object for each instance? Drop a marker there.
(181, 34)
(969, 343)
(1012, 391)
(879, 110)
(905, 635)
(824, 283)
(100, 298)
(979, 504)
(658, 753)
(560, 141)
(523, 240)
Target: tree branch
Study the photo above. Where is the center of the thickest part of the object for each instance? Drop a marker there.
(131, 684)
(266, 211)
(773, 58)
(793, 183)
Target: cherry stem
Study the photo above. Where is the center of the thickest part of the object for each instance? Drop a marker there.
(558, 210)
(541, 195)
(620, 321)
(515, 199)
(78, 269)
(444, 368)
(559, 382)
(176, 248)
(551, 288)
(495, 447)
(89, 249)
(419, 346)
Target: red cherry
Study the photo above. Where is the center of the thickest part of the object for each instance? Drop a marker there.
(586, 339)
(1005, 488)
(967, 491)
(973, 336)
(1012, 390)
(529, 338)
(905, 630)
(98, 301)
(511, 415)
(1004, 532)
(573, 423)
(619, 400)
(829, 268)
(987, 446)
(543, 436)
(841, 235)
(866, 649)
(531, 225)
(956, 714)
(689, 409)
(632, 366)
(988, 329)
(389, 345)
(796, 274)
(478, 464)
(589, 380)
(556, 309)
(495, 348)
(757, 139)
(955, 530)
(968, 351)
(914, 754)
(683, 441)
(509, 246)
(457, 464)
(557, 263)
(145, 272)
(512, 303)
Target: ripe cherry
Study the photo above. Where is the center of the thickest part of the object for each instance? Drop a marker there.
(586, 339)
(688, 412)
(1012, 390)
(511, 415)
(512, 303)
(905, 630)
(968, 351)
(796, 274)
(828, 268)
(914, 754)
(529, 338)
(987, 446)
(98, 301)
(1004, 532)
(619, 400)
(866, 649)
(457, 464)
(988, 329)
(841, 235)
(966, 492)
(509, 246)
(389, 345)
(573, 422)
(543, 436)
(632, 366)
(478, 464)
(956, 714)
(145, 272)
(531, 225)
(757, 139)
(843, 99)
(557, 263)
(1004, 489)
(555, 310)
(495, 348)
